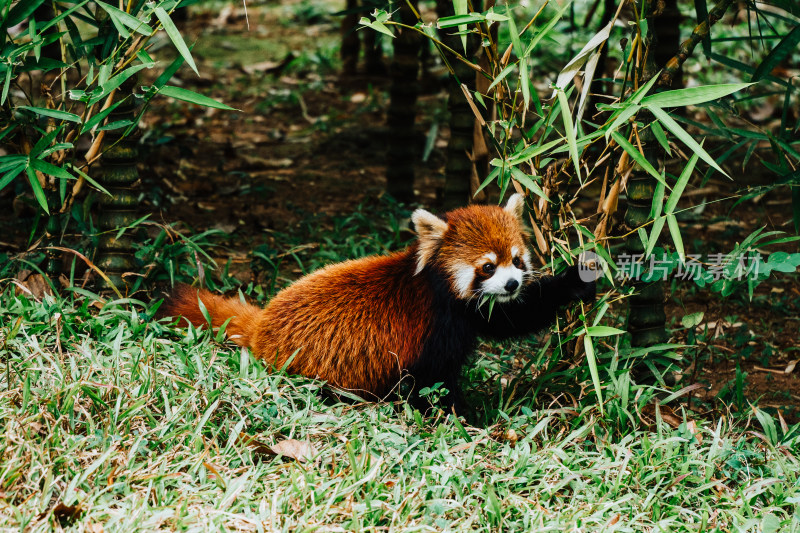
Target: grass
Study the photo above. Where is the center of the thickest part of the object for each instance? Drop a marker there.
(109, 418)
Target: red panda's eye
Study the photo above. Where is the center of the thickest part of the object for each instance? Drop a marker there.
(488, 268)
(517, 262)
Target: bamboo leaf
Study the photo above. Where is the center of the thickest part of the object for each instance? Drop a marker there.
(637, 156)
(126, 19)
(377, 26)
(523, 80)
(528, 182)
(114, 82)
(532, 151)
(20, 12)
(622, 118)
(192, 97)
(38, 192)
(500, 77)
(96, 119)
(675, 231)
(569, 130)
(50, 169)
(692, 95)
(89, 179)
(592, 360)
(655, 233)
(512, 29)
(786, 46)
(603, 331)
(546, 29)
(575, 64)
(175, 37)
(460, 10)
(458, 20)
(53, 113)
(661, 137)
(669, 123)
(683, 179)
(701, 10)
(9, 176)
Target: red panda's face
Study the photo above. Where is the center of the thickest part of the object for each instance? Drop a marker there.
(482, 249)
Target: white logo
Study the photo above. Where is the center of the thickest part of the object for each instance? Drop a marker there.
(590, 267)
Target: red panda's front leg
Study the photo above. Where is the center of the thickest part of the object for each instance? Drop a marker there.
(536, 307)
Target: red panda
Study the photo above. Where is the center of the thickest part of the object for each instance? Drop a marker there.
(364, 324)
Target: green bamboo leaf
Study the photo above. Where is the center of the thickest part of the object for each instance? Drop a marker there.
(546, 29)
(126, 19)
(592, 360)
(661, 137)
(701, 10)
(622, 118)
(491, 177)
(170, 71)
(637, 156)
(20, 12)
(569, 129)
(96, 119)
(641, 92)
(192, 97)
(603, 331)
(377, 26)
(10, 161)
(460, 9)
(9, 176)
(501, 76)
(658, 201)
(42, 144)
(655, 233)
(38, 192)
(458, 20)
(692, 95)
(52, 22)
(6, 85)
(89, 179)
(512, 29)
(669, 123)
(675, 231)
(683, 179)
(532, 151)
(523, 80)
(175, 37)
(114, 82)
(786, 46)
(528, 182)
(53, 113)
(50, 169)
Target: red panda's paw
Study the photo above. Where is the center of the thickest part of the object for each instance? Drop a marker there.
(581, 283)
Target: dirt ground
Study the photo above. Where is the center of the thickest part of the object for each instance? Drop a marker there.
(307, 141)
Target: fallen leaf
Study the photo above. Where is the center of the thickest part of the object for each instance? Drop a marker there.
(299, 450)
(34, 284)
(790, 367)
(294, 449)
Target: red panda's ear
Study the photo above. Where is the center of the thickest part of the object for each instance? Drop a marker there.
(515, 205)
(430, 230)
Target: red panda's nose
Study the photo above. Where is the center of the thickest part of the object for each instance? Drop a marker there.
(511, 285)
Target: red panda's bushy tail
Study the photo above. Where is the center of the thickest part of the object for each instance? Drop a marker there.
(183, 302)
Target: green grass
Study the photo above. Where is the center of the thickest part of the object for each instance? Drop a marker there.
(110, 418)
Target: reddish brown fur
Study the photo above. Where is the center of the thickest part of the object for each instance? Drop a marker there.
(475, 230)
(305, 322)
